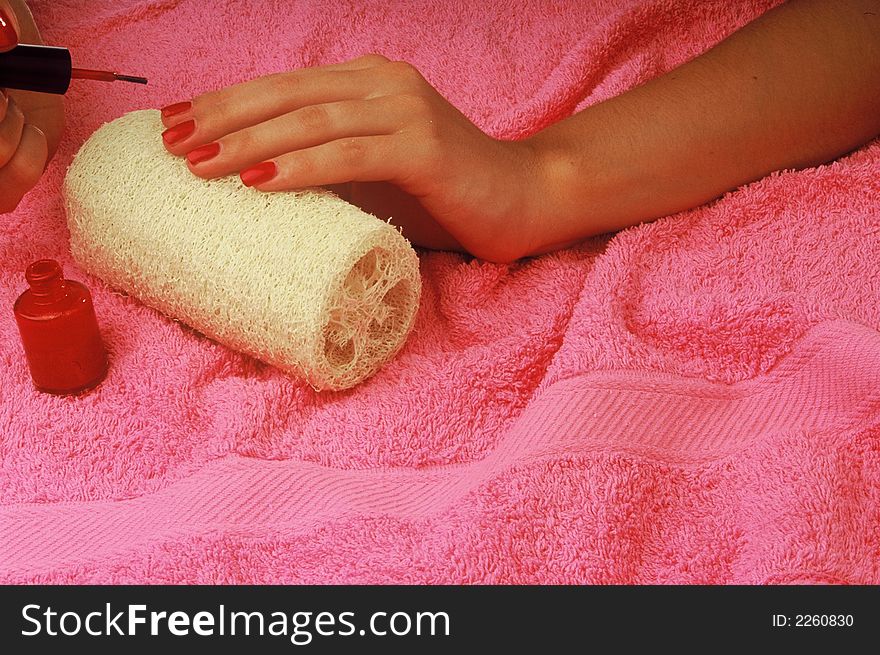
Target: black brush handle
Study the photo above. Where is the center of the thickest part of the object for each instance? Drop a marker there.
(42, 68)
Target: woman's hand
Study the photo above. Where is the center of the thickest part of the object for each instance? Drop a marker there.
(30, 123)
(366, 121)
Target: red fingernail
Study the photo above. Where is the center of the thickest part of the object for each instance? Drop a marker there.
(179, 132)
(259, 173)
(203, 153)
(8, 37)
(175, 109)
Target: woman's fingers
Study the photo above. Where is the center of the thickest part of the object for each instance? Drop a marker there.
(258, 101)
(24, 149)
(11, 125)
(24, 169)
(9, 29)
(211, 115)
(357, 159)
(181, 111)
(304, 128)
(365, 120)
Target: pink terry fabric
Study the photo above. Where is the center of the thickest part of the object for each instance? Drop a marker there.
(694, 400)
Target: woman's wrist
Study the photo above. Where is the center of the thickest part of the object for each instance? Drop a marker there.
(489, 200)
(511, 201)
(567, 189)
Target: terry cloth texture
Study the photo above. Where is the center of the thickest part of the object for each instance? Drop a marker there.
(692, 400)
(304, 281)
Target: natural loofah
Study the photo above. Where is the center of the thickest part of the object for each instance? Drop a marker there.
(301, 280)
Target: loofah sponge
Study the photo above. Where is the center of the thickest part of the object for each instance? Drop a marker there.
(301, 280)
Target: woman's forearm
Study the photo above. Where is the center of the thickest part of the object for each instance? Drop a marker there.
(797, 87)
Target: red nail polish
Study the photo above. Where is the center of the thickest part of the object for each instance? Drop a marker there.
(8, 36)
(179, 132)
(175, 109)
(59, 332)
(258, 174)
(203, 153)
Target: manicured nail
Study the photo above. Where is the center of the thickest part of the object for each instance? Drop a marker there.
(203, 153)
(258, 174)
(179, 132)
(175, 109)
(8, 37)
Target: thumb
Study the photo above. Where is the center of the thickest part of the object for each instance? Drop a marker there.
(8, 27)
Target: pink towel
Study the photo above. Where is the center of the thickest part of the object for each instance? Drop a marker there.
(695, 400)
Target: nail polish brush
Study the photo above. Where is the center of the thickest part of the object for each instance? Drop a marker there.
(48, 69)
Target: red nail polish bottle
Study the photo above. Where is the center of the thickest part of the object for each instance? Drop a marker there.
(59, 331)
